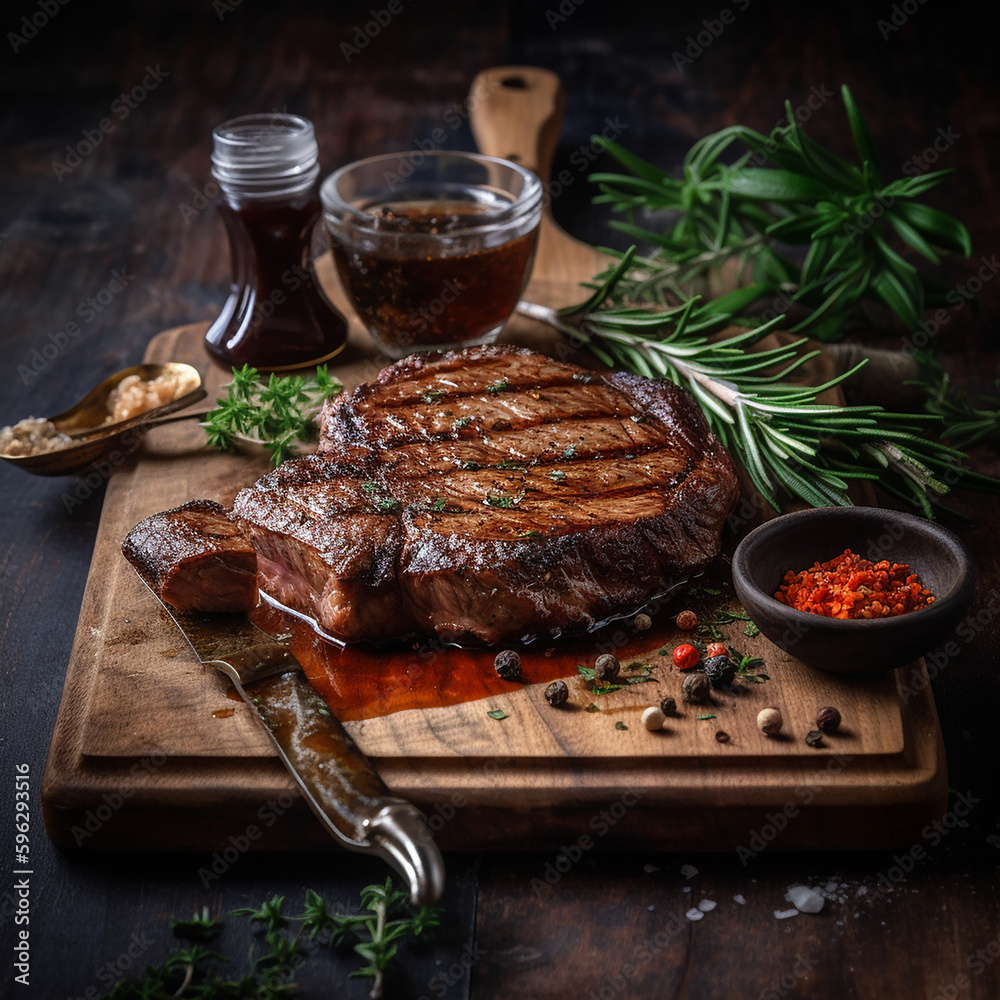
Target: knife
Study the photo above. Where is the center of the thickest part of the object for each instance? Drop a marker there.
(339, 783)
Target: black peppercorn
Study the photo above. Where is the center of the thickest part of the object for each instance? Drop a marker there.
(668, 706)
(828, 720)
(606, 668)
(814, 739)
(557, 693)
(721, 736)
(721, 671)
(696, 687)
(508, 665)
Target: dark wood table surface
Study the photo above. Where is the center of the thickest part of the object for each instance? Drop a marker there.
(923, 73)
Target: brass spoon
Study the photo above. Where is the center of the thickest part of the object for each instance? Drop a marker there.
(94, 439)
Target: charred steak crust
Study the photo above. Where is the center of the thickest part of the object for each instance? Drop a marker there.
(491, 494)
(195, 558)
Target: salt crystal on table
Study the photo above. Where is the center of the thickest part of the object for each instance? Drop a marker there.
(804, 899)
(707, 905)
(739, 899)
(686, 888)
(784, 914)
(649, 869)
(694, 914)
(689, 871)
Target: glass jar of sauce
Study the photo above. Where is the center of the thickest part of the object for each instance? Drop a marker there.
(276, 316)
(433, 250)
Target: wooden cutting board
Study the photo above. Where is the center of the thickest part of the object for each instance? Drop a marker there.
(149, 752)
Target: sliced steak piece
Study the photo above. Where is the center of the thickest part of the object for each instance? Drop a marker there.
(195, 558)
(327, 537)
(492, 494)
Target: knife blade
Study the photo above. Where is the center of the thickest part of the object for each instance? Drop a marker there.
(337, 781)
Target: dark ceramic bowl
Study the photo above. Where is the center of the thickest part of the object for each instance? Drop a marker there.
(796, 541)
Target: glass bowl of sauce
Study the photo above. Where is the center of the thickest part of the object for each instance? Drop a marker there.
(433, 249)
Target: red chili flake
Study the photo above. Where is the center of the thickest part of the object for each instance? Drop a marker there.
(848, 586)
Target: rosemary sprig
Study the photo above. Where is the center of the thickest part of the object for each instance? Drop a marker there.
(740, 214)
(783, 436)
(277, 414)
(969, 419)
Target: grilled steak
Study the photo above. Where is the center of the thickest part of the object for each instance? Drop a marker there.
(195, 558)
(491, 494)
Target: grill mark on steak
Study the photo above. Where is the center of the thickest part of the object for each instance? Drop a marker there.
(386, 533)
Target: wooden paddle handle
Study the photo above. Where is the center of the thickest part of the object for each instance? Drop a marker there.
(516, 112)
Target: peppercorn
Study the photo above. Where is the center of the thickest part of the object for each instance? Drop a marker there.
(606, 668)
(653, 718)
(508, 665)
(716, 649)
(721, 671)
(687, 620)
(814, 739)
(557, 693)
(696, 688)
(769, 721)
(828, 720)
(643, 622)
(686, 657)
(721, 736)
(668, 706)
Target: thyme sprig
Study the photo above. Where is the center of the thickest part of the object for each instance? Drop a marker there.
(784, 437)
(278, 414)
(375, 934)
(746, 216)
(194, 972)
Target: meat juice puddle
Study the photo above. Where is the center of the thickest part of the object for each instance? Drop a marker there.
(365, 681)
(406, 298)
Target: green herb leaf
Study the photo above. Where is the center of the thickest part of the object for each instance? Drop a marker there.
(621, 726)
(498, 714)
(701, 718)
(278, 414)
